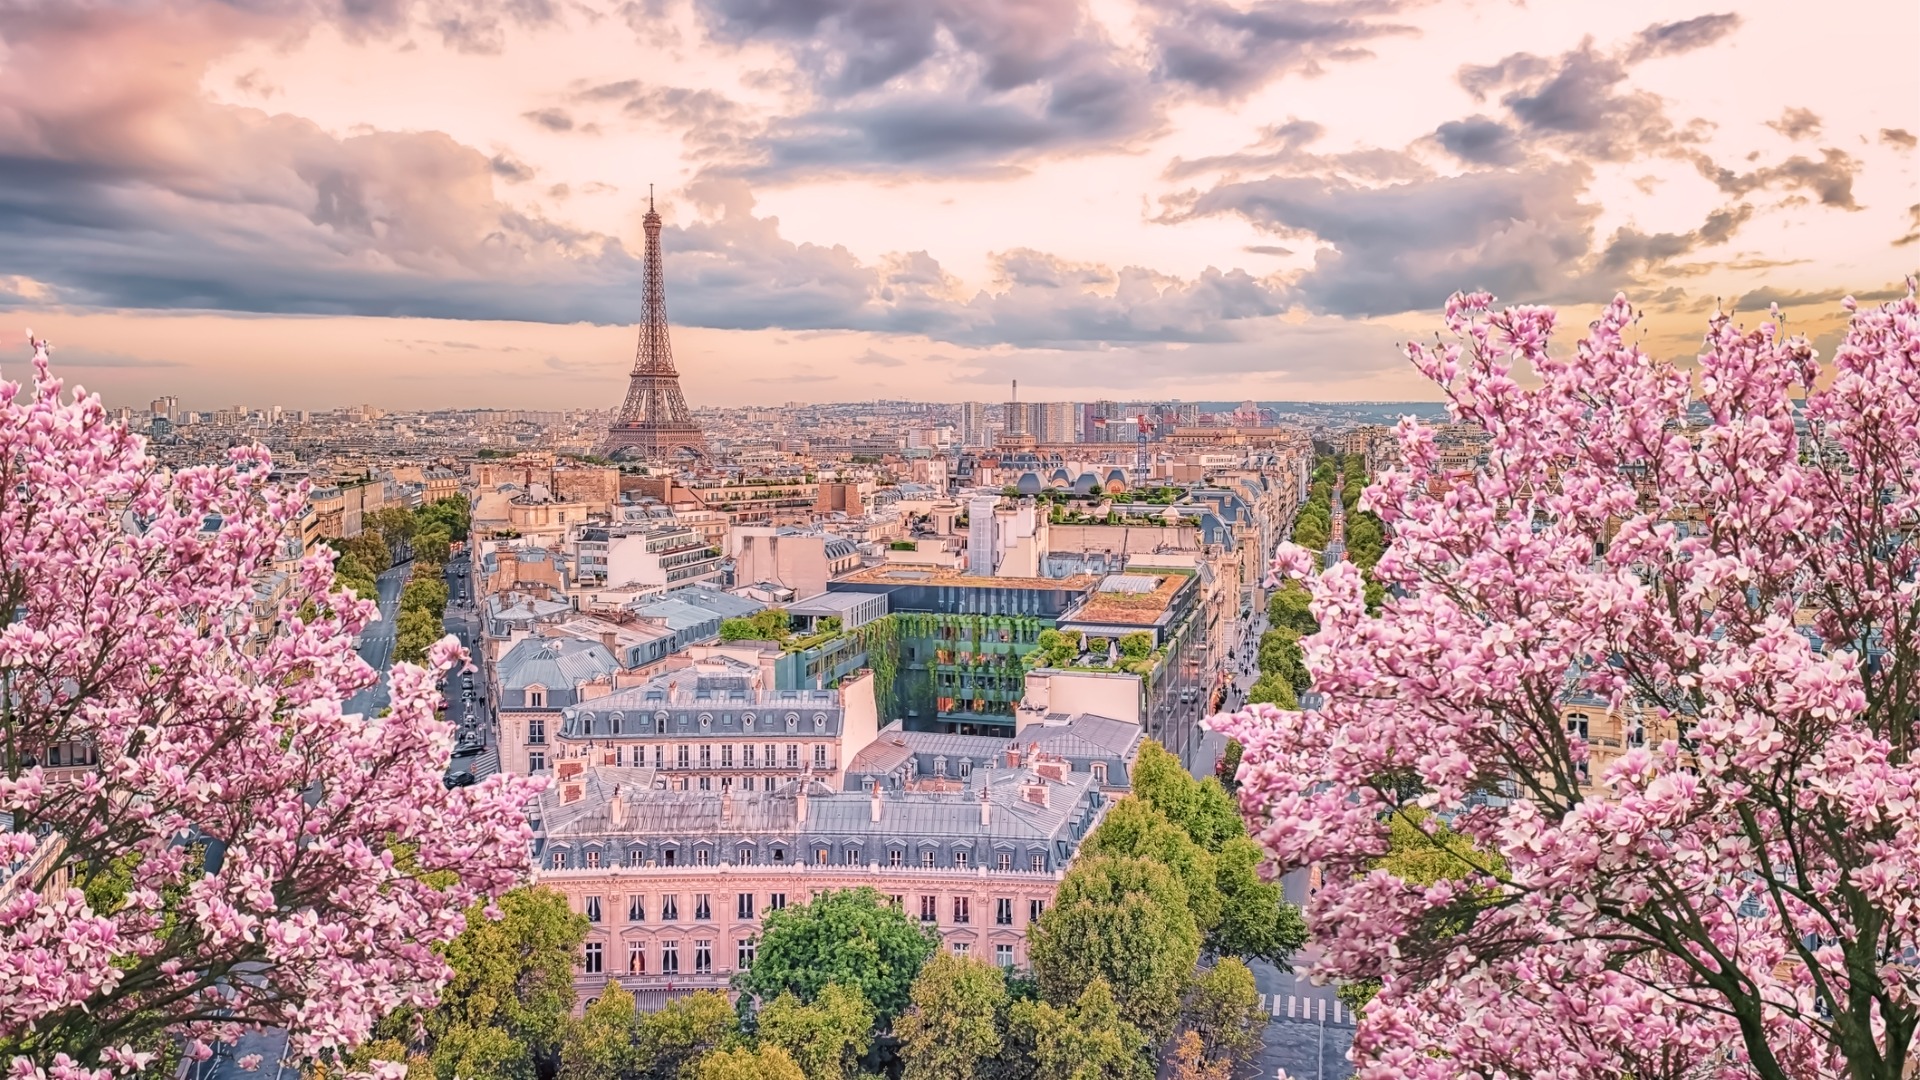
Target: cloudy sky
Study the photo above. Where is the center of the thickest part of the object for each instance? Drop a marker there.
(410, 202)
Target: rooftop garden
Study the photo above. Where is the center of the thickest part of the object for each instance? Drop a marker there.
(1132, 654)
(776, 625)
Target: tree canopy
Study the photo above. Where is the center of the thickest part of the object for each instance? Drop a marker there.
(854, 937)
(1715, 564)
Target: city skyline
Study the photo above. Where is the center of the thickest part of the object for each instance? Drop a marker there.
(903, 199)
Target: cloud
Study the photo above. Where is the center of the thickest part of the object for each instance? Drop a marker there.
(1761, 299)
(1913, 234)
(878, 359)
(513, 171)
(551, 119)
(1899, 137)
(1479, 140)
(1629, 251)
(1580, 104)
(1283, 148)
(1405, 247)
(1830, 179)
(1797, 124)
(1266, 249)
(1671, 39)
(948, 86)
(1225, 51)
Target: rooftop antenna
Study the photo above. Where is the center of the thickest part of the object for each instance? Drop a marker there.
(1016, 390)
(649, 198)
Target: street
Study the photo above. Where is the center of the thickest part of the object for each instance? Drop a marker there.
(376, 643)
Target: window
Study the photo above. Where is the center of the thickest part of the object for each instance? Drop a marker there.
(926, 858)
(636, 958)
(1577, 726)
(706, 757)
(746, 954)
(669, 958)
(767, 785)
(726, 756)
(1003, 955)
(850, 857)
(793, 755)
(940, 766)
(929, 908)
(536, 699)
(1004, 861)
(779, 854)
(1003, 911)
(1099, 772)
(536, 762)
(593, 860)
(770, 759)
(1037, 863)
(746, 857)
(557, 861)
(1035, 908)
(636, 908)
(746, 756)
(966, 768)
(669, 857)
(659, 723)
(961, 948)
(744, 908)
(670, 909)
(820, 756)
(702, 857)
(962, 910)
(635, 856)
(681, 756)
(776, 901)
(702, 956)
(659, 757)
(819, 721)
(706, 721)
(895, 856)
(706, 783)
(593, 909)
(793, 721)
(899, 902)
(595, 957)
(960, 859)
(821, 856)
(536, 729)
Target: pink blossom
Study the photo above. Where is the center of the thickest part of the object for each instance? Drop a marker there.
(1724, 557)
(137, 635)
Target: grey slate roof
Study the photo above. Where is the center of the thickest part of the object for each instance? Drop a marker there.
(554, 662)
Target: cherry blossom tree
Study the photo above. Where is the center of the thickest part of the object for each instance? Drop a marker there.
(1724, 557)
(198, 838)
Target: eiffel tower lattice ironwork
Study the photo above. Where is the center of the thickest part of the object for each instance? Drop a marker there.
(655, 421)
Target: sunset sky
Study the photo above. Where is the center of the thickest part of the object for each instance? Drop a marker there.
(321, 202)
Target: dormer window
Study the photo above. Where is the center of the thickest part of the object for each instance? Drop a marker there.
(819, 721)
(747, 719)
(659, 723)
(536, 697)
(617, 723)
(793, 721)
(706, 721)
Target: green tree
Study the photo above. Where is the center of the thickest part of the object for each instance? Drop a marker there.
(1280, 654)
(826, 1038)
(414, 634)
(668, 1041)
(1272, 689)
(1089, 1039)
(371, 550)
(952, 1029)
(350, 573)
(1054, 648)
(1224, 1009)
(424, 594)
(1133, 828)
(1256, 922)
(512, 988)
(1137, 645)
(600, 1044)
(855, 937)
(1125, 921)
(769, 624)
(432, 546)
(1289, 605)
(740, 1063)
(1201, 807)
(449, 514)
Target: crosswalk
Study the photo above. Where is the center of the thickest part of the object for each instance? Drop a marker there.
(1316, 1010)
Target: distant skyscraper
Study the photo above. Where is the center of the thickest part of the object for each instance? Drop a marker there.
(1060, 422)
(655, 421)
(973, 424)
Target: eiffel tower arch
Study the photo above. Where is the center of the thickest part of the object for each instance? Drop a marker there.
(654, 424)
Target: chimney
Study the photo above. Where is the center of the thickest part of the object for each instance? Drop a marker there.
(571, 793)
(800, 802)
(986, 807)
(876, 800)
(1013, 757)
(1035, 793)
(617, 809)
(726, 807)
(1053, 769)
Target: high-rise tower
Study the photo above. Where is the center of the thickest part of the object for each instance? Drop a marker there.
(655, 422)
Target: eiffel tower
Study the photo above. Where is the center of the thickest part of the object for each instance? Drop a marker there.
(654, 423)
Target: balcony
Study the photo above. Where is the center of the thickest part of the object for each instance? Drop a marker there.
(803, 871)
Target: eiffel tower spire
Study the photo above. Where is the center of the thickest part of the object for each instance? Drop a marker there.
(655, 421)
